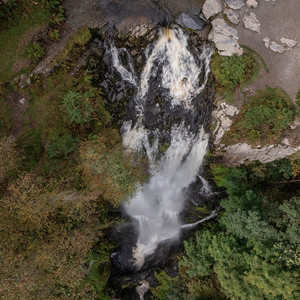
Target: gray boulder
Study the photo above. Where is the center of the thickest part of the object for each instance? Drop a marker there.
(225, 38)
(288, 42)
(275, 47)
(232, 16)
(187, 21)
(251, 22)
(235, 4)
(211, 8)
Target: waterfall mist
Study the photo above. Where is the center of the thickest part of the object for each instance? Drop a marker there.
(180, 76)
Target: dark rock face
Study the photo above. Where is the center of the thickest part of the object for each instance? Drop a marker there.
(194, 23)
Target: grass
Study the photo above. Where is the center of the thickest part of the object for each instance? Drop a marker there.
(6, 118)
(263, 119)
(28, 19)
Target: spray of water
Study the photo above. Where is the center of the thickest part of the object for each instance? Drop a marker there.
(157, 205)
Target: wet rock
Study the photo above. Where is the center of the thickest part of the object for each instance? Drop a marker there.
(235, 4)
(232, 16)
(266, 40)
(142, 289)
(275, 47)
(252, 3)
(187, 21)
(251, 22)
(211, 8)
(225, 38)
(288, 42)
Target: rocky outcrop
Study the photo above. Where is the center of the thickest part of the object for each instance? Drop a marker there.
(235, 4)
(211, 8)
(240, 153)
(251, 22)
(232, 16)
(222, 120)
(288, 42)
(187, 21)
(252, 3)
(275, 47)
(267, 41)
(225, 38)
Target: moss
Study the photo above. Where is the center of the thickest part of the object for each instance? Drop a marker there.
(298, 99)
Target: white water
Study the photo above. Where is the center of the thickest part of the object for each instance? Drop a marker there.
(157, 205)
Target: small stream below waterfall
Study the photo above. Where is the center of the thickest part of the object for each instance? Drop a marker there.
(169, 107)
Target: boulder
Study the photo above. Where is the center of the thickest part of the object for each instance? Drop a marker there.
(232, 16)
(225, 38)
(251, 22)
(187, 21)
(266, 40)
(252, 3)
(211, 8)
(235, 4)
(275, 47)
(288, 42)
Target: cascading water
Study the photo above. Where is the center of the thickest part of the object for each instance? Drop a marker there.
(174, 72)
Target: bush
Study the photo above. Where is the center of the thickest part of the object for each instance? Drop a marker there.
(61, 146)
(264, 118)
(35, 51)
(230, 72)
(6, 7)
(84, 108)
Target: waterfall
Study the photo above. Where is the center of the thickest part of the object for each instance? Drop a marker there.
(157, 205)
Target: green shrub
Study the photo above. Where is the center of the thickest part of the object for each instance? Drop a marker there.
(298, 98)
(61, 146)
(232, 71)
(6, 118)
(85, 108)
(54, 35)
(264, 118)
(35, 51)
(6, 7)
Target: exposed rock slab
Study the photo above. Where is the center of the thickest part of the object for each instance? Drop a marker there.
(251, 22)
(211, 8)
(252, 3)
(232, 16)
(267, 41)
(222, 120)
(225, 38)
(240, 153)
(235, 4)
(289, 42)
(187, 21)
(275, 47)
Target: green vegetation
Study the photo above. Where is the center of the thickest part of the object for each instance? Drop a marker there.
(252, 252)
(35, 51)
(6, 120)
(263, 119)
(298, 98)
(235, 71)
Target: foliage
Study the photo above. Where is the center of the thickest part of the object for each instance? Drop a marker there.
(107, 170)
(254, 248)
(27, 19)
(54, 35)
(298, 98)
(10, 159)
(264, 118)
(30, 142)
(6, 118)
(46, 239)
(35, 51)
(82, 108)
(232, 71)
(61, 146)
(6, 7)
